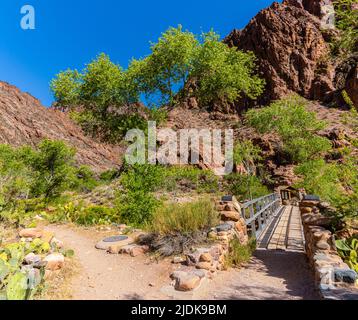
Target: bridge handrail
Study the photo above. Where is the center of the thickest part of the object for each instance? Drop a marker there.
(248, 221)
(261, 212)
(248, 203)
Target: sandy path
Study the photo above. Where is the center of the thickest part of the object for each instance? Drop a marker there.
(110, 277)
(269, 275)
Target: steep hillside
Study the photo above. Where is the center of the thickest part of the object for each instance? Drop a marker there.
(23, 120)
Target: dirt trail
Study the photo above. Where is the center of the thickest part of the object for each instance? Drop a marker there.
(269, 275)
(110, 277)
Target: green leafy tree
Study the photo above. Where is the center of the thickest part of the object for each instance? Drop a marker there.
(247, 154)
(296, 127)
(66, 88)
(168, 66)
(245, 187)
(224, 73)
(15, 177)
(53, 168)
(103, 95)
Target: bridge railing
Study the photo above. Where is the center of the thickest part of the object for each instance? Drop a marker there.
(259, 212)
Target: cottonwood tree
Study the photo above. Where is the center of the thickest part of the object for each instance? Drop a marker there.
(224, 73)
(102, 93)
(168, 66)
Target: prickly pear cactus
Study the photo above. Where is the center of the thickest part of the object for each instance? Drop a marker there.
(4, 270)
(17, 287)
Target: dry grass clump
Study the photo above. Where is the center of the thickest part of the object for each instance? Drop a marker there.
(176, 227)
(184, 218)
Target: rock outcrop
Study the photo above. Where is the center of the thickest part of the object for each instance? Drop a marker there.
(291, 43)
(291, 51)
(24, 121)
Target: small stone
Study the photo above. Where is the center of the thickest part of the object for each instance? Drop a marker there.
(126, 249)
(32, 259)
(240, 227)
(203, 265)
(230, 216)
(223, 238)
(212, 235)
(222, 233)
(206, 257)
(216, 251)
(308, 203)
(139, 250)
(322, 235)
(229, 207)
(315, 210)
(31, 233)
(323, 245)
(177, 274)
(187, 282)
(200, 273)
(224, 227)
(324, 205)
(306, 209)
(114, 249)
(345, 275)
(178, 259)
(54, 261)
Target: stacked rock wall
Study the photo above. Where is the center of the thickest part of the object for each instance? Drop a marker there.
(335, 280)
(206, 261)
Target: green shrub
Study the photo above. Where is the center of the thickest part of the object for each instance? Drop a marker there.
(347, 22)
(52, 165)
(97, 215)
(136, 203)
(245, 187)
(136, 207)
(83, 215)
(144, 177)
(188, 177)
(319, 178)
(84, 179)
(184, 218)
(15, 177)
(336, 183)
(109, 175)
(238, 253)
(246, 153)
(296, 127)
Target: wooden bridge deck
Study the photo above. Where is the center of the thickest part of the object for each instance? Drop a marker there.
(284, 232)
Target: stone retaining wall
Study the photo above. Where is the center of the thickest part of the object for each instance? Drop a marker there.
(335, 280)
(204, 262)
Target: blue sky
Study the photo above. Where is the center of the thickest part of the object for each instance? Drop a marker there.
(70, 33)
